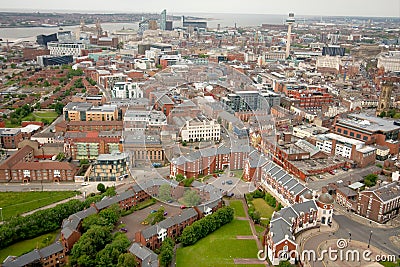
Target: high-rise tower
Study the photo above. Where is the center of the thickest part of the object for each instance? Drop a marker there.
(163, 20)
(290, 20)
(384, 102)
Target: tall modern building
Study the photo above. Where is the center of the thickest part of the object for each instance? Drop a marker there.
(163, 20)
(290, 20)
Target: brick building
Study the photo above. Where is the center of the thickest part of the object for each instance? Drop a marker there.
(381, 203)
(88, 145)
(289, 221)
(153, 236)
(52, 256)
(10, 137)
(206, 161)
(370, 129)
(87, 126)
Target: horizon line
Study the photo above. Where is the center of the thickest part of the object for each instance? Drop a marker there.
(172, 13)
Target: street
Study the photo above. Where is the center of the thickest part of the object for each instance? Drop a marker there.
(329, 178)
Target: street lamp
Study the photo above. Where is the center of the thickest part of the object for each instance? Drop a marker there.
(349, 236)
(369, 240)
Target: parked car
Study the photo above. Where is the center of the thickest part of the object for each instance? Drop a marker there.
(230, 194)
(123, 230)
(223, 182)
(345, 169)
(84, 184)
(229, 182)
(170, 201)
(165, 213)
(183, 207)
(332, 172)
(145, 223)
(153, 211)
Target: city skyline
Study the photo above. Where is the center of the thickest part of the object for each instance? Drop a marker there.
(384, 8)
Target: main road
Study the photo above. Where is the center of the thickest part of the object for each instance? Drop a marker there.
(379, 238)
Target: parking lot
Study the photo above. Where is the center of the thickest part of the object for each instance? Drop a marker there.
(134, 221)
(238, 186)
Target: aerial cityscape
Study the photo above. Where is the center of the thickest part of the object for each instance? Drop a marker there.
(208, 134)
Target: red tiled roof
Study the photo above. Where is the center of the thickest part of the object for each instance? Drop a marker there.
(17, 157)
(44, 165)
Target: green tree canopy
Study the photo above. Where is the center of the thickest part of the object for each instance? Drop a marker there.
(127, 260)
(101, 188)
(164, 193)
(191, 198)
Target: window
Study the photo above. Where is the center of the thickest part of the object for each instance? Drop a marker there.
(345, 132)
(352, 134)
(365, 138)
(339, 130)
(358, 136)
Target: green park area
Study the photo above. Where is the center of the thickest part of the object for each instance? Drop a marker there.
(15, 203)
(26, 246)
(222, 246)
(237, 205)
(46, 117)
(261, 206)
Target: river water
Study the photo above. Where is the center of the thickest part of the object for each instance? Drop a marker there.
(213, 19)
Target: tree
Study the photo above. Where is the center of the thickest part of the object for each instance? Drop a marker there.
(284, 264)
(256, 217)
(156, 217)
(110, 254)
(201, 228)
(188, 182)
(111, 214)
(164, 193)
(60, 156)
(83, 162)
(391, 112)
(85, 250)
(191, 198)
(127, 260)
(94, 219)
(166, 252)
(101, 188)
(382, 114)
(179, 177)
(59, 108)
(370, 179)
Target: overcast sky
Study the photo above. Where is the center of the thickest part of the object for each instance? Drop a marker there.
(376, 8)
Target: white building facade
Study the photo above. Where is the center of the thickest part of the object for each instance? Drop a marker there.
(62, 49)
(197, 130)
(126, 90)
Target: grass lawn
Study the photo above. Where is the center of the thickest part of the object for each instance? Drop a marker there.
(238, 207)
(15, 203)
(390, 264)
(219, 248)
(49, 116)
(238, 173)
(259, 228)
(25, 246)
(262, 206)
